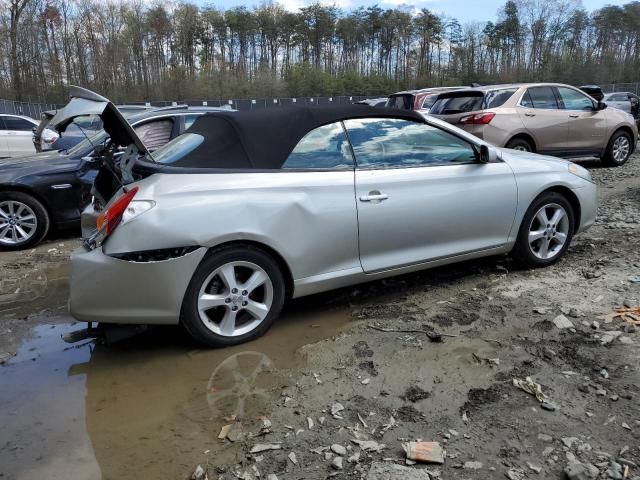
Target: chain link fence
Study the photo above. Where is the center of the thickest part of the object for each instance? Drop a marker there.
(34, 110)
(621, 87)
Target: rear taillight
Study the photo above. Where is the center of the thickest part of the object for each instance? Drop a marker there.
(478, 119)
(111, 217)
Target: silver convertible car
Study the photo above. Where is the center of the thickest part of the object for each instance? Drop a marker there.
(217, 229)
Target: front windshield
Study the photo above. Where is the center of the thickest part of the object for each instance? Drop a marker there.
(178, 148)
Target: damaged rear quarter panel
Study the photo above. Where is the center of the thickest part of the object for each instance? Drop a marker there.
(309, 218)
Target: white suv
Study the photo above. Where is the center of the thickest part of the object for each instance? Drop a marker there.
(16, 133)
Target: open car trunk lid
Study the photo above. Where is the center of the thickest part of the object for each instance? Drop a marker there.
(45, 119)
(116, 162)
(85, 102)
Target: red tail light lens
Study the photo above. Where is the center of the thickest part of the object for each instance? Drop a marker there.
(110, 218)
(478, 119)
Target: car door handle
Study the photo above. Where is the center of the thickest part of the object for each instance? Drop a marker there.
(529, 114)
(574, 115)
(374, 197)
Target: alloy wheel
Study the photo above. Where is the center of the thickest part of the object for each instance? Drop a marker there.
(548, 231)
(520, 148)
(620, 149)
(235, 298)
(18, 222)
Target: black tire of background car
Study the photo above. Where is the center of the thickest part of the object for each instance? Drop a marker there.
(521, 251)
(42, 218)
(519, 142)
(190, 317)
(608, 158)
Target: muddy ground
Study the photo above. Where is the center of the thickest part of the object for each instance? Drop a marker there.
(153, 406)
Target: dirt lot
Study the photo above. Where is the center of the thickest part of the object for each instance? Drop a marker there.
(153, 406)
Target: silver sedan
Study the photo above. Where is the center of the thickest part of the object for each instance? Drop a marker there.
(221, 226)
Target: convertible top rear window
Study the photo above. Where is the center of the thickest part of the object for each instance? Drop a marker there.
(177, 148)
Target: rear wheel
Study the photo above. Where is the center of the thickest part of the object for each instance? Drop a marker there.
(618, 150)
(235, 295)
(519, 144)
(24, 221)
(546, 231)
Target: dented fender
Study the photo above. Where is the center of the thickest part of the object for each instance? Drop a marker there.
(309, 218)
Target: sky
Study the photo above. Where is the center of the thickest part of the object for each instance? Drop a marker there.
(463, 10)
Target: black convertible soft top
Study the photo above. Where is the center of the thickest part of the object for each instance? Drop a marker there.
(263, 139)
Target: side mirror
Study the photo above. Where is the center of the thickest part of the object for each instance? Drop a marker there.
(485, 154)
(601, 105)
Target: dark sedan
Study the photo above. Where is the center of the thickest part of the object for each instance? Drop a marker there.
(48, 191)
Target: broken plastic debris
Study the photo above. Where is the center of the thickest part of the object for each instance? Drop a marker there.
(199, 473)
(369, 445)
(293, 458)
(263, 447)
(530, 387)
(336, 408)
(224, 431)
(629, 315)
(430, 452)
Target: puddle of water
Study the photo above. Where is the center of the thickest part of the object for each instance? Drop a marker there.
(34, 287)
(147, 408)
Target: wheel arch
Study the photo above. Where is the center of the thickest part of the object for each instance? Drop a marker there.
(573, 201)
(628, 130)
(524, 136)
(273, 253)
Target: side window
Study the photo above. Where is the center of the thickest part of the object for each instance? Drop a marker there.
(2, 127)
(428, 101)
(393, 143)
(155, 134)
(496, 98)
(17, 123)
(325, 147)
(189, 120)
(540, 97)
(574, 100)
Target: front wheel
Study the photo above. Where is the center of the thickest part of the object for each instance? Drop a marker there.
(546, 231)
(235, 295)
(618, 150)
(24, 221)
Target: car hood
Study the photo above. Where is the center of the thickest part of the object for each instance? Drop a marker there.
(85, 102)
(519, 161)
(42, 163)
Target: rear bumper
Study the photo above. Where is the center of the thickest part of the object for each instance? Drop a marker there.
(109, 290)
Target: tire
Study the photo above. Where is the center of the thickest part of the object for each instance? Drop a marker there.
(519, 144)
(618, 140)
(532, 254)
(24, 221)
(212, 320)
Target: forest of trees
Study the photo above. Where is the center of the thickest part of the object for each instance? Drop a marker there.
(129, 50)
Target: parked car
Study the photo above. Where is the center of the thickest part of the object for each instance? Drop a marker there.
(78, 131)
(15, 135)
(373, 102)
(594, 91)
(418, 100)
(247, 209)
(625, 101)
(49, 190)
(545, 118)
